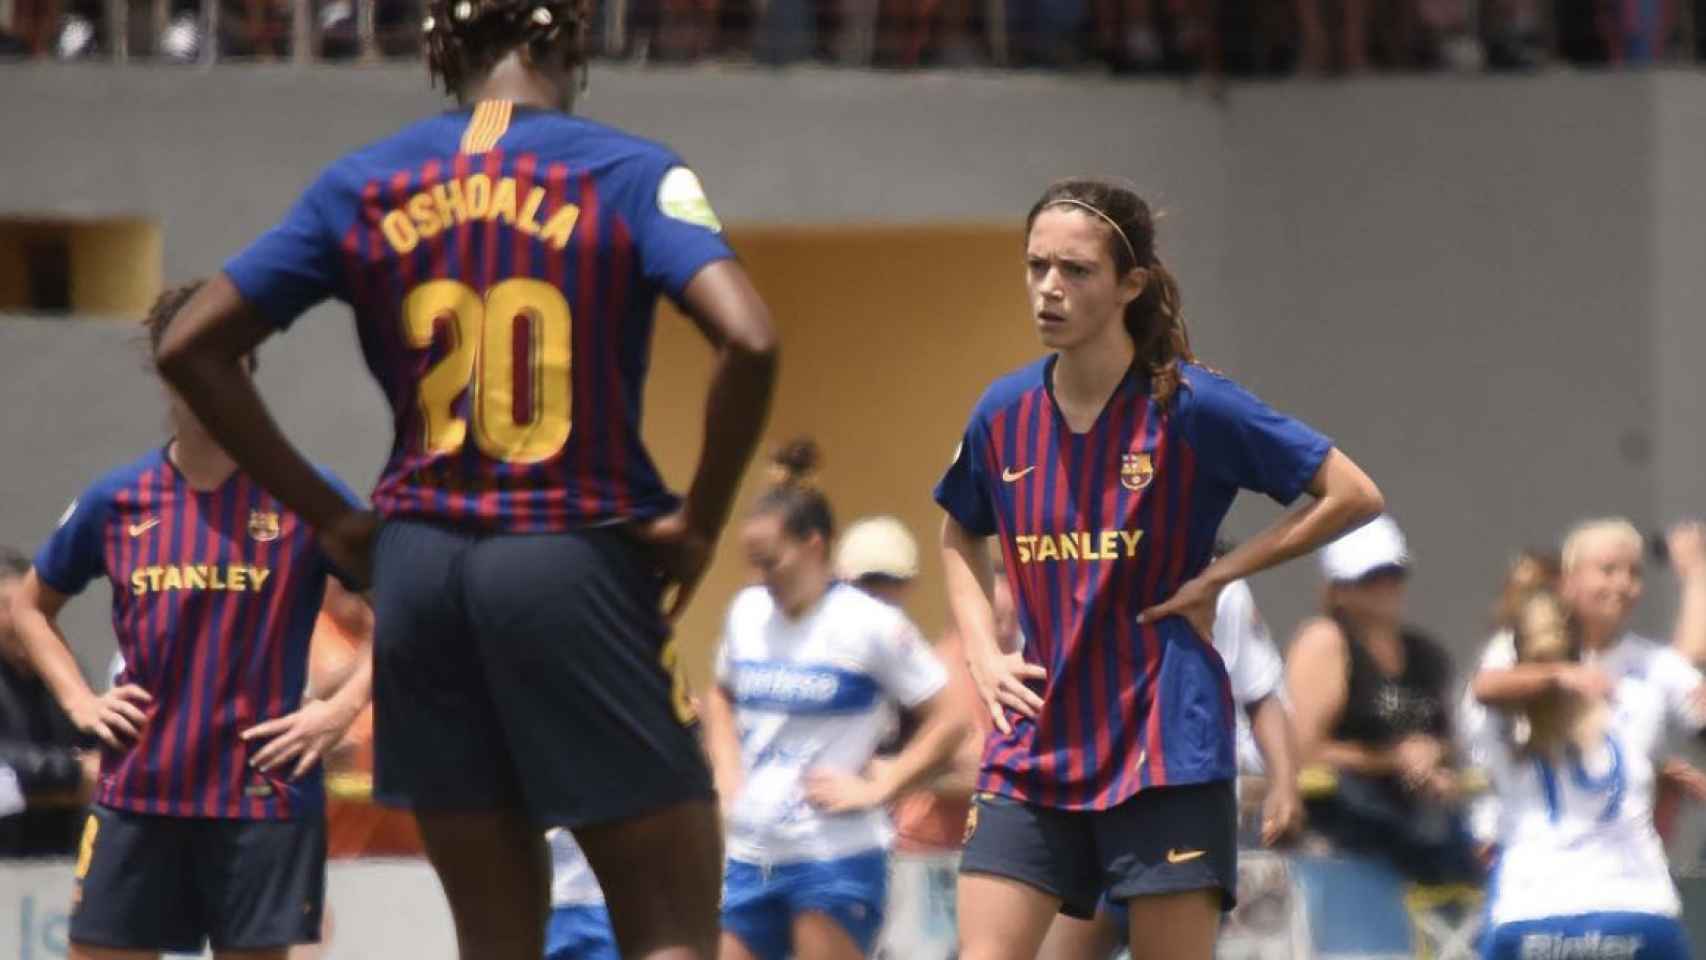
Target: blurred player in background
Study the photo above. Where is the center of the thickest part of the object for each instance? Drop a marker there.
(208, 822)
(579, 928)
(504, 260)
(1105, 469)
(1581, 870)
(1267, 748)
(809, 675)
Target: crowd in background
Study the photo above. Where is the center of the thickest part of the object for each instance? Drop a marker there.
(1387, 724)
(1164, 37)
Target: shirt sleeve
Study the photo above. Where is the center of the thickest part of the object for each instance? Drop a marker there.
(73, 556)
(1245, 443)
(678, 232)
(964, 491)
(1252, 663)
(906, 666)
(293, 266)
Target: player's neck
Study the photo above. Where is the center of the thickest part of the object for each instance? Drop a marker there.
(202, 461)
(1085, 376)
(1599, 638)
(514, 80)
(814, 589)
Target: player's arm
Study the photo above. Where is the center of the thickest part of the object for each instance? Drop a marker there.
(1686, 546)
(309, 733)
(1000, 676)
(1342, 496)
(722, 744)
(941, 731)
(201, 356)
(722, 303)
(1270, 725)
(1522, 683)
(115, 717)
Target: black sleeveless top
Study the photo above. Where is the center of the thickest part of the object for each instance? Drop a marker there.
(1381, 710)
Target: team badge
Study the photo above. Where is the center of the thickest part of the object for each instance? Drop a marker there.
(263, 525)
(1136, 470)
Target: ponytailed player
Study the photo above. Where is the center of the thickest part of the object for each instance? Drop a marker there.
(504, 260)
(208, 821)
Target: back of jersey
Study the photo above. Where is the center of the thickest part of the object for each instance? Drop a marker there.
(504, 264)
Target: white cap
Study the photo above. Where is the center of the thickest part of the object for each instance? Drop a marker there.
(877, 545)
(1373, 546)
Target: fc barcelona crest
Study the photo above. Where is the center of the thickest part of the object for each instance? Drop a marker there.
(263, 525)
(1136, 470)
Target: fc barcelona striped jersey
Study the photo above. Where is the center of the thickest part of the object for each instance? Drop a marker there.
(214, 596)
(1095, 527)
(503, 264)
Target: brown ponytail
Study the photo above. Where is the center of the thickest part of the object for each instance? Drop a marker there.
(1155, 319)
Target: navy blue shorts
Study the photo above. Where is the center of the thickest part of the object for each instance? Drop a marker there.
(1163, 840)
(175, 884)
(760, 903)
(525, 671)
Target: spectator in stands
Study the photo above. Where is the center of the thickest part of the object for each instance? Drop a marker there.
(44, 778)
(1371, 698)
(879, 556)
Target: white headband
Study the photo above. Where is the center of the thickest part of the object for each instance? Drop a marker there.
(1110, 222)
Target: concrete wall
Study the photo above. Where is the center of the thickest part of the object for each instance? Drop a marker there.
(1484, 288)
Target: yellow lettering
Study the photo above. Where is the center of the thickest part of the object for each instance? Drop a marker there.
(399, 232)
(258, 576)
(1131, 537)
(562, 224)
(1047, 549)
(173, 579)
(1069, 547)
(1110, 545)
(479, 189)
(138, 583)
(528, 222)
(233, 578)
(195, 577)
(154, 579)
(448, 197)
(425, 217)
(1024, 545)
(503, 201)
(221, 582)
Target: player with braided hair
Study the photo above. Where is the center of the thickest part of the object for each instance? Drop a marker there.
(503, 260)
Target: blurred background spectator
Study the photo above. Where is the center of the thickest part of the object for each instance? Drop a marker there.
(1371, 697)
(40, 764)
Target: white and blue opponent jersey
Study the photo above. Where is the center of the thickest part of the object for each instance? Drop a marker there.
(1252, 661)
(572, 882)
(1576, 830)
(816, 693)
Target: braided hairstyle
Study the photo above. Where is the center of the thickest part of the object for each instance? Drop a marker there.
(1154, 319)
(466, 38)
(794, 493)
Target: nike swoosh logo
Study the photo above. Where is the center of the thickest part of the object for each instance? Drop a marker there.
(1184, 856)
(1013, 476)
(138, 529)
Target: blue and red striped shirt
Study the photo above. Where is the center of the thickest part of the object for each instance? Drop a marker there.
(1095, 527)
(214, 597)
(504, 264)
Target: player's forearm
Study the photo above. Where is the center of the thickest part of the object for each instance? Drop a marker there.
(1514, 686)
(1344, 497)
(969, 575)
(1270, 724)
(929, 752)
(722, 744)
(356, 690)
(735, 413)
(46, 647)
(1356, 758)
(202, 357)
(1689, 633)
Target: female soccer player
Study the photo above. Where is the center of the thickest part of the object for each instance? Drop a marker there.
(1581, 868)
(208, 821)
(810, 674)
(1105, 469)
(504, 260)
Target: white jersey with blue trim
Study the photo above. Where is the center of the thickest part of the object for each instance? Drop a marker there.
(1576, 830)
(814, 693)
(1252, 661)
(572, 882)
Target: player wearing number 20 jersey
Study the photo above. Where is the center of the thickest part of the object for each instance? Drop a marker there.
(504, 263)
